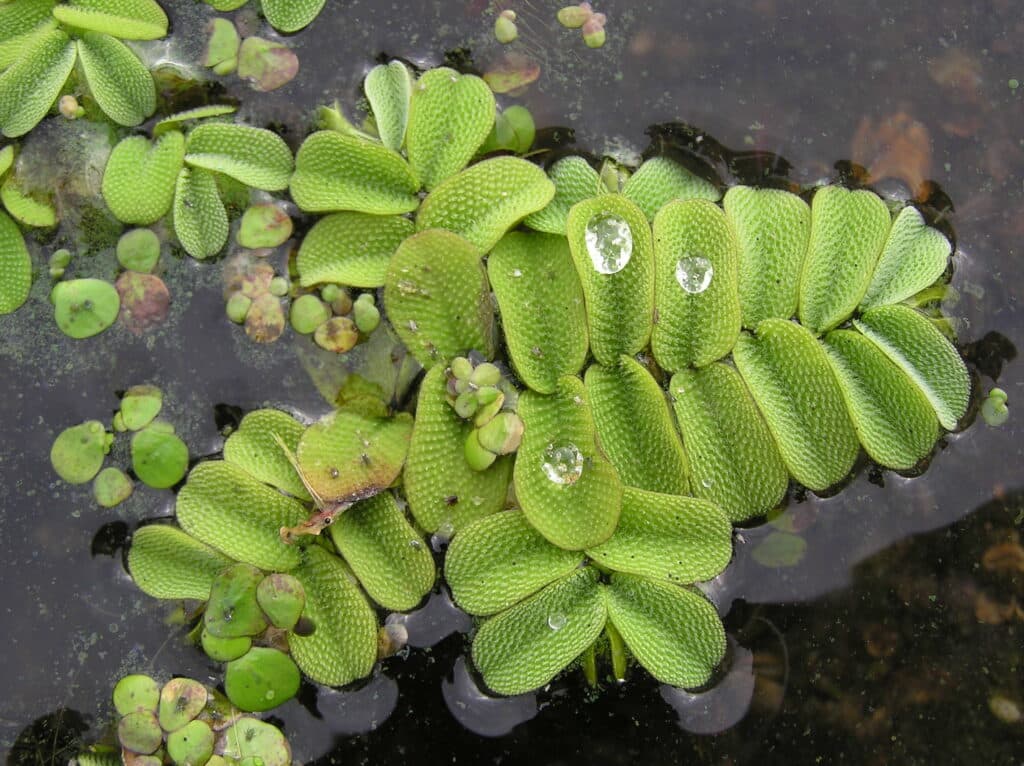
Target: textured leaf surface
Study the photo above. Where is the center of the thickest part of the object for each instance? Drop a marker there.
(667, 537)
(500, 560)
(910, 340)
(389, 557)
(348, 455)
(342, 172)
(254, 449)
(660, 180)
(121, 84)
(620, 306)
(15, 266)
(733, 457)
(6, 158)
(388, 89)
(25, 208)
(699, 324)
(450, 115)
(140, 177)
(576, 514)
(674, 632)
(541, 303)
(291, 15)
(30, 85)
(894, 419)
(915, 255)
(351, 249)
(438, 298)
(18, 20)
(200, 220)
(518, 650)
(484, 201)
(176, 120)
(127, 19)
(223, 506)
(168, 563)
(773, 228)
(343, 647)
(256, 157)
(848, 229)
(574, 182)
(439, 485)
(635, 428)
(793, 384)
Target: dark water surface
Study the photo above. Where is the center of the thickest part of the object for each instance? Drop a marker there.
(891, 638)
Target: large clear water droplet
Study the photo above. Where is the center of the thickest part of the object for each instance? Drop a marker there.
(563, 463)
(694, 273)
(557, 621)
(609, 243)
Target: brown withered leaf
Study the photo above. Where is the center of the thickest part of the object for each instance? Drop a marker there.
(897, 146)
(145, 301)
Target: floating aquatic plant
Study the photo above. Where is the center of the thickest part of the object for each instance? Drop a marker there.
(283, 15)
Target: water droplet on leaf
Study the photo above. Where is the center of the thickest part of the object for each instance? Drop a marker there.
(557, 621)
(694, 274)
(563, 463)
(609, 243)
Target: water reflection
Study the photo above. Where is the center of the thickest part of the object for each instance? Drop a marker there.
(480, 713)
(723, 705)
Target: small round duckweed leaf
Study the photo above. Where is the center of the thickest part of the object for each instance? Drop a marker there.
(388, 89)
(159, 458)
(145, 301)
(338, 334)
(994, 410)
(30, 85)
(139, 405)
(200, 220)
(254, 448)
(136, 693)
(138, 250)
(84, 307)
(222, 46)
(282, 599)
(127, 19)
(498, 561)
(111, 487)
(29, 209)
(264, 225)
(524, 647)
(450, 115)
(77, 452)
(224, 649)
(265, 321)
(140, 733)
(351, 249)
(253, 740)
(181, 700)
(191, 744)
(267, 65)
(343, 172)
(574, 182)
(15, 266)
(168, 563)
(139, 179)
(661, 180)
(307, 314)
(261, 679)
(291, 16)
(253, 156)
(232, 610)
(915, 255)
(120, 83)
(674, 632)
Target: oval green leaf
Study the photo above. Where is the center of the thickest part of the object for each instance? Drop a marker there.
(254, 156)
(261, 679)
(388, 89)
(351, 248)
(574, 182)
(166, 562)
(232, 610)
(255, 449)
(84, 307)
(140, 176)
(661, 180)
(30, 85)
(77, 452)
(28, 209)
(127, 19)
(200, 220)
(120, 83)
(15, 266)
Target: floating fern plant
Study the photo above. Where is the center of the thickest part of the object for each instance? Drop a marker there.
(681, 359)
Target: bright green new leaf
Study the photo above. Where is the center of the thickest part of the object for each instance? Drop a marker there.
(225, 507)
(15, 266)
(291, 15)
(500, 560)
(256, 157)
(613, 250)
(574, 182)
(26, 208)
(674, 632)
(439, 485)
(918, 348)
(772, 228)
(159, 457)
(438, 298)
(661, 180)
(667, 537)
(254, 448)
(120, 83)
(635, 428)
(127, 19)
(351, 249)
(140, 176)
(343, 647)
(566, 486)
(388, 89)
(541, 303)
(389, 557)
(334, 171)
(168, 563)
(791, 380)
(450, 115)
(733, 457)
(484, 201)
(200, 220)
(696, 258)
(915, 255)
(894, 419)
(848, 230)
(524, 647)
(30, 85)
(175, 121)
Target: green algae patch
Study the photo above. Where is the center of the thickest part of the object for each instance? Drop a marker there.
(167, 563)
(388, 88)
(111, 487)
(84, 307)
(78, 452)
(139, 178)
(351, 248)
(575, 180)
(15, 266)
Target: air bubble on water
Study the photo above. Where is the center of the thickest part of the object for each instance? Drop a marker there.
(557, 621)
(694, 273)
(563, 463)
(609, 243)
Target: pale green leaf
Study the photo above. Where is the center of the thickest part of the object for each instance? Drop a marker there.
(18, 21)
(127, 19)
(26, 208)
(256, 157)
(6, 159)
(200, 220)
(30, 85)
(351, 248)
(15, 266)
(291, 15)
(254, 449)
(661, 180)
(120, 83)
(574, 182)
(140, 177)
(175, 121)
(388, 89)
(168, 563)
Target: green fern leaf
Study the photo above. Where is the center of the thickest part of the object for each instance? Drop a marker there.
(15, 266)
(140, 177)
(120, 83)
(127, 19)
(661, 180)
(168, 563)
(388, 89)
(28, 209)
(256, 157)
(574, 182)
(200, 220)
(254, 448)
(291, 15)
(30, 85)
(18, 22)
(351, 249)
(915, 255)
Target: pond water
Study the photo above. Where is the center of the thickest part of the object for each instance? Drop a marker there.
(868, 627)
